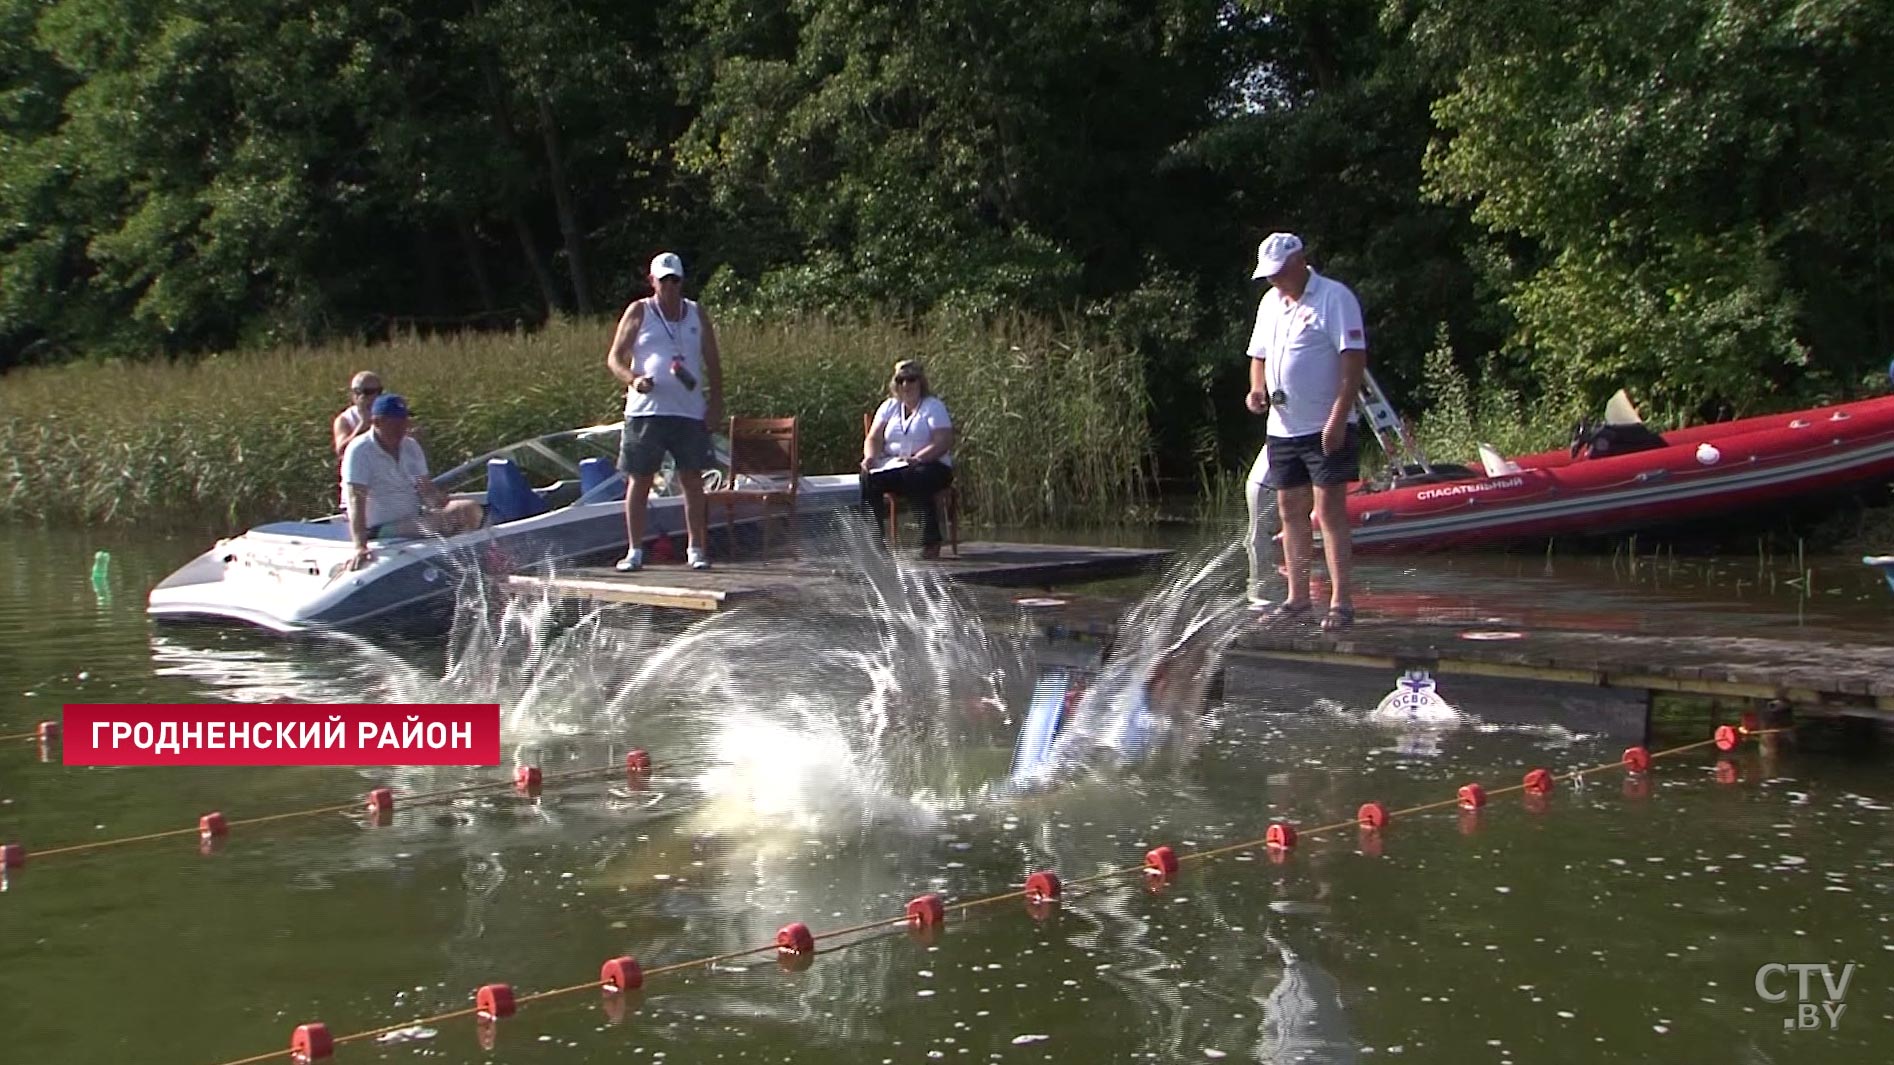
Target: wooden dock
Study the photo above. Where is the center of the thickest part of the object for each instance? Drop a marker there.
(1814, 676)
(1596, 658)
(728, 583)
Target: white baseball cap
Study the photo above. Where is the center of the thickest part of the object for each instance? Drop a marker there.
(667, 264)
(1273, 252)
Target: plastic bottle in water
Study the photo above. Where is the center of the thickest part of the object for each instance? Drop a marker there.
(101, 573)
(682, 372)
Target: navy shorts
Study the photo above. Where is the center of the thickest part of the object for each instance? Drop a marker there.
(641, 450)
(1298, 461)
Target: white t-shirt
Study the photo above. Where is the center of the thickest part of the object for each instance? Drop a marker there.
(658, 341)
(392, 495)
(1300, 343)
(903, 434)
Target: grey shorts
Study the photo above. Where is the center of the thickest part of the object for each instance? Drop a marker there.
(646, 440)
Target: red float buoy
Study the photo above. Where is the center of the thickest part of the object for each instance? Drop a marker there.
(12, 856)
(311, 1042)
(494, 1000)
(1637, 759)
(1538, 782)
(621, 974)
(1727, 772)
(1372, 815)
(926, 910)
(795, 939)
(1161, 861)
(1280, 835)
(49, 732)
(381, 804)
(1472, 796)
(1043, 886)
(1727, 738)
(637, 766)
(212, 826)
(527, 778)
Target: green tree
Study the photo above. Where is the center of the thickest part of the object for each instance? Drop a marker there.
(192, 174)
(1700, 185)
(986, 153)
(1322, 133)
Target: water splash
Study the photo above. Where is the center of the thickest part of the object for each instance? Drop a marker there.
(1143, 711)
(856, 702)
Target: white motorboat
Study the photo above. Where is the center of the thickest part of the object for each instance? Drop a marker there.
(550, 500)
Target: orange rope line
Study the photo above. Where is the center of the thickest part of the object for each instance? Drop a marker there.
(425, 798)
(969, 904)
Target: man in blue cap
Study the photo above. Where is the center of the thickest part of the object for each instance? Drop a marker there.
(390, 495)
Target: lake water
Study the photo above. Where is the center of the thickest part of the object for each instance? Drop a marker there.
(829, 766)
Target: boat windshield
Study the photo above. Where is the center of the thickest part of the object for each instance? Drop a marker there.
(556, 465)
(546, 461)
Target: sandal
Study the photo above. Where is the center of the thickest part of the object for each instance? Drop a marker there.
(1288, 612)
(1338, 618)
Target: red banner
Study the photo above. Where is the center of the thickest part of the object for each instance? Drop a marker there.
(388, 734)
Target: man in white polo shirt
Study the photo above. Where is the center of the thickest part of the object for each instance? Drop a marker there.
(1308, 355)
(390, 495)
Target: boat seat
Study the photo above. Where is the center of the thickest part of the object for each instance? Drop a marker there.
(1496, 464)
(594, 472)
(600, 481)
(509, 497)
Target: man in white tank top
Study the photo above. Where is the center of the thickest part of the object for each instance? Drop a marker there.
(353, 420)
(666, 354)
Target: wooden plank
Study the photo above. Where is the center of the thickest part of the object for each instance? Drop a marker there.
(701, 599)
(669, 585)
(1008, 564)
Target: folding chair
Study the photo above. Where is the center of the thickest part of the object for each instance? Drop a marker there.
(947, 499)
(765, 469)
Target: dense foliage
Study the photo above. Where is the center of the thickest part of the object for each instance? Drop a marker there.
(1684, 197)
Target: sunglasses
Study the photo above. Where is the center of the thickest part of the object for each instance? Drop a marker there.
(366, 391)
(905, 380)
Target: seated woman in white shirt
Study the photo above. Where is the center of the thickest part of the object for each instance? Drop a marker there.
(909, 451)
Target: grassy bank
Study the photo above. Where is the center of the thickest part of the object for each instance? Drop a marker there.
(1053, 423)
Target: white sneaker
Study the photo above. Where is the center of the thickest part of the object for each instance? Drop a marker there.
(697, 558)
(633, 560)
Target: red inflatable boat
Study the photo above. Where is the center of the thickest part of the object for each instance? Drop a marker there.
(1696, 473)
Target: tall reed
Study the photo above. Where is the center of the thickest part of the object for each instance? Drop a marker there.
(1052, 420)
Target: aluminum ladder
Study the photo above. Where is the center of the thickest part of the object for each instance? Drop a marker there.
(1404, 454)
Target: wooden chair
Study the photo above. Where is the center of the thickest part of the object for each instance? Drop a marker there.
(766, 450)
(947, 499)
